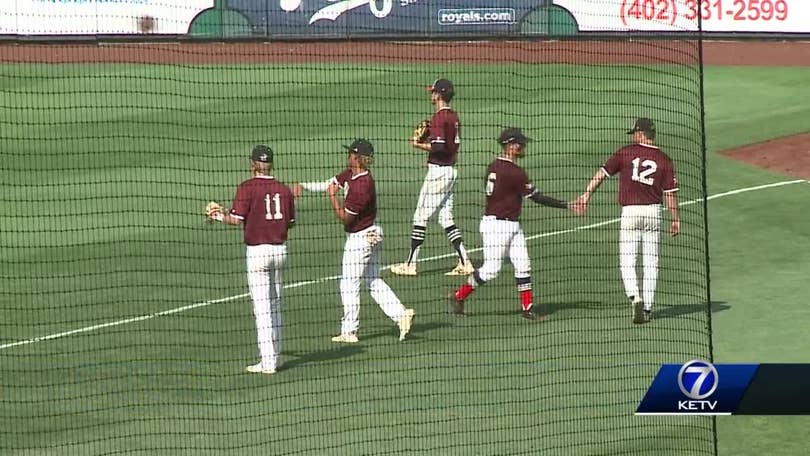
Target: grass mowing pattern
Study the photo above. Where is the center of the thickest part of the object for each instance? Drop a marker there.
(109, 166)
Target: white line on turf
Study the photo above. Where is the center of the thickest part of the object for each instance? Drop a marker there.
(336, 277)
(684, 414)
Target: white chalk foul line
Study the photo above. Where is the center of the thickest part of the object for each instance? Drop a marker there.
(336, 277)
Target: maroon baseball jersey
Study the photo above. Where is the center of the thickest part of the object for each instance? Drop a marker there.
(341, 179)
(360, 198)
(445, 128)
(507, 187)
(646, 174)
(265, 207)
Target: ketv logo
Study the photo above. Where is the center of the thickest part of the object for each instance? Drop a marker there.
(477, 16)
(694, 388)
(702, 388)
(698, 380)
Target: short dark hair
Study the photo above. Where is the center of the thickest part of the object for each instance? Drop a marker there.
(650, 134)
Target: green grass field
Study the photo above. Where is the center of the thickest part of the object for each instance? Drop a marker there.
(107, 169)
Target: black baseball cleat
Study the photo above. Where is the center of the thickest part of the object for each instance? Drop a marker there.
(531, 315)
(647, 316)
(637, 305)
(455, 307)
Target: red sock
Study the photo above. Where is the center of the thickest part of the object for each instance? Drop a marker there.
(526, 299)
(464, 291)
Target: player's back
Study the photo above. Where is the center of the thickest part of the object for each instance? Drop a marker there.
(507, 184)
(645, 174)
(445, 128)
(267, 209)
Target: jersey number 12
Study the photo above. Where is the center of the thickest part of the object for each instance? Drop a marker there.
(269, 213)
(644, 175)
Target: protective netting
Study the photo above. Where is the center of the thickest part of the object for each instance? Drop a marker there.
(126, 324)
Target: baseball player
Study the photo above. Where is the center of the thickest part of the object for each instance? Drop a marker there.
(507, 185)
(363, 249)
(647, 177)
(265, 209)
(441, 141)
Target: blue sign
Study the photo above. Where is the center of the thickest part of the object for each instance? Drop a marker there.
(697, 388)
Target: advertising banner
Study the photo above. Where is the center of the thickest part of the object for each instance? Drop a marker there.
(728, 16)
(366, 18)
(384, 17)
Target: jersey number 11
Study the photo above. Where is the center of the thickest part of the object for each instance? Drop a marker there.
(269, 214)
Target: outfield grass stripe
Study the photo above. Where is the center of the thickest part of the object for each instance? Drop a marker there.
(336, 277)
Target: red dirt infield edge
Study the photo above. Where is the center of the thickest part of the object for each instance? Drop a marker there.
(789, 155)
(685, 52)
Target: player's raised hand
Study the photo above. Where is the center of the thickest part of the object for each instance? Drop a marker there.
(297, 190)
(580, 205)
(577, 207)
(332, 189)
(675, 228)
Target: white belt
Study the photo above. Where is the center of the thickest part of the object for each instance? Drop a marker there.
(492, 217)
(364, 231)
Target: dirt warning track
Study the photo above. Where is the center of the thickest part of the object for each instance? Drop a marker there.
(682, 52)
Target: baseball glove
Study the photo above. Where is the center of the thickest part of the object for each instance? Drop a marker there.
(421, 133)
(373, 237)
(213, 210)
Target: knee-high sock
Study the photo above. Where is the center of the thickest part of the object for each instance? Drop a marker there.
(417, 238)
(524, 286)
(466, 289)
(454, 236)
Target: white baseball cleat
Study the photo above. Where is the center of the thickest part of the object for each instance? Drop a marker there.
(346, 338)
(461, 269)
(404, 269)
(257, 369)
(405, 323)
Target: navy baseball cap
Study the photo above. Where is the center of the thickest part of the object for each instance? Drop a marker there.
(361, 147)
(642, 124)
(511, 135)
(262, 153)
(441, 86)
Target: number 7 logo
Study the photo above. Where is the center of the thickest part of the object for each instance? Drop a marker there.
(691, 386)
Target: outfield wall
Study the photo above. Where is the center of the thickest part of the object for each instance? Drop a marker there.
(342, 19)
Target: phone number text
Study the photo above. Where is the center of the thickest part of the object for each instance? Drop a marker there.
(670, 11)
